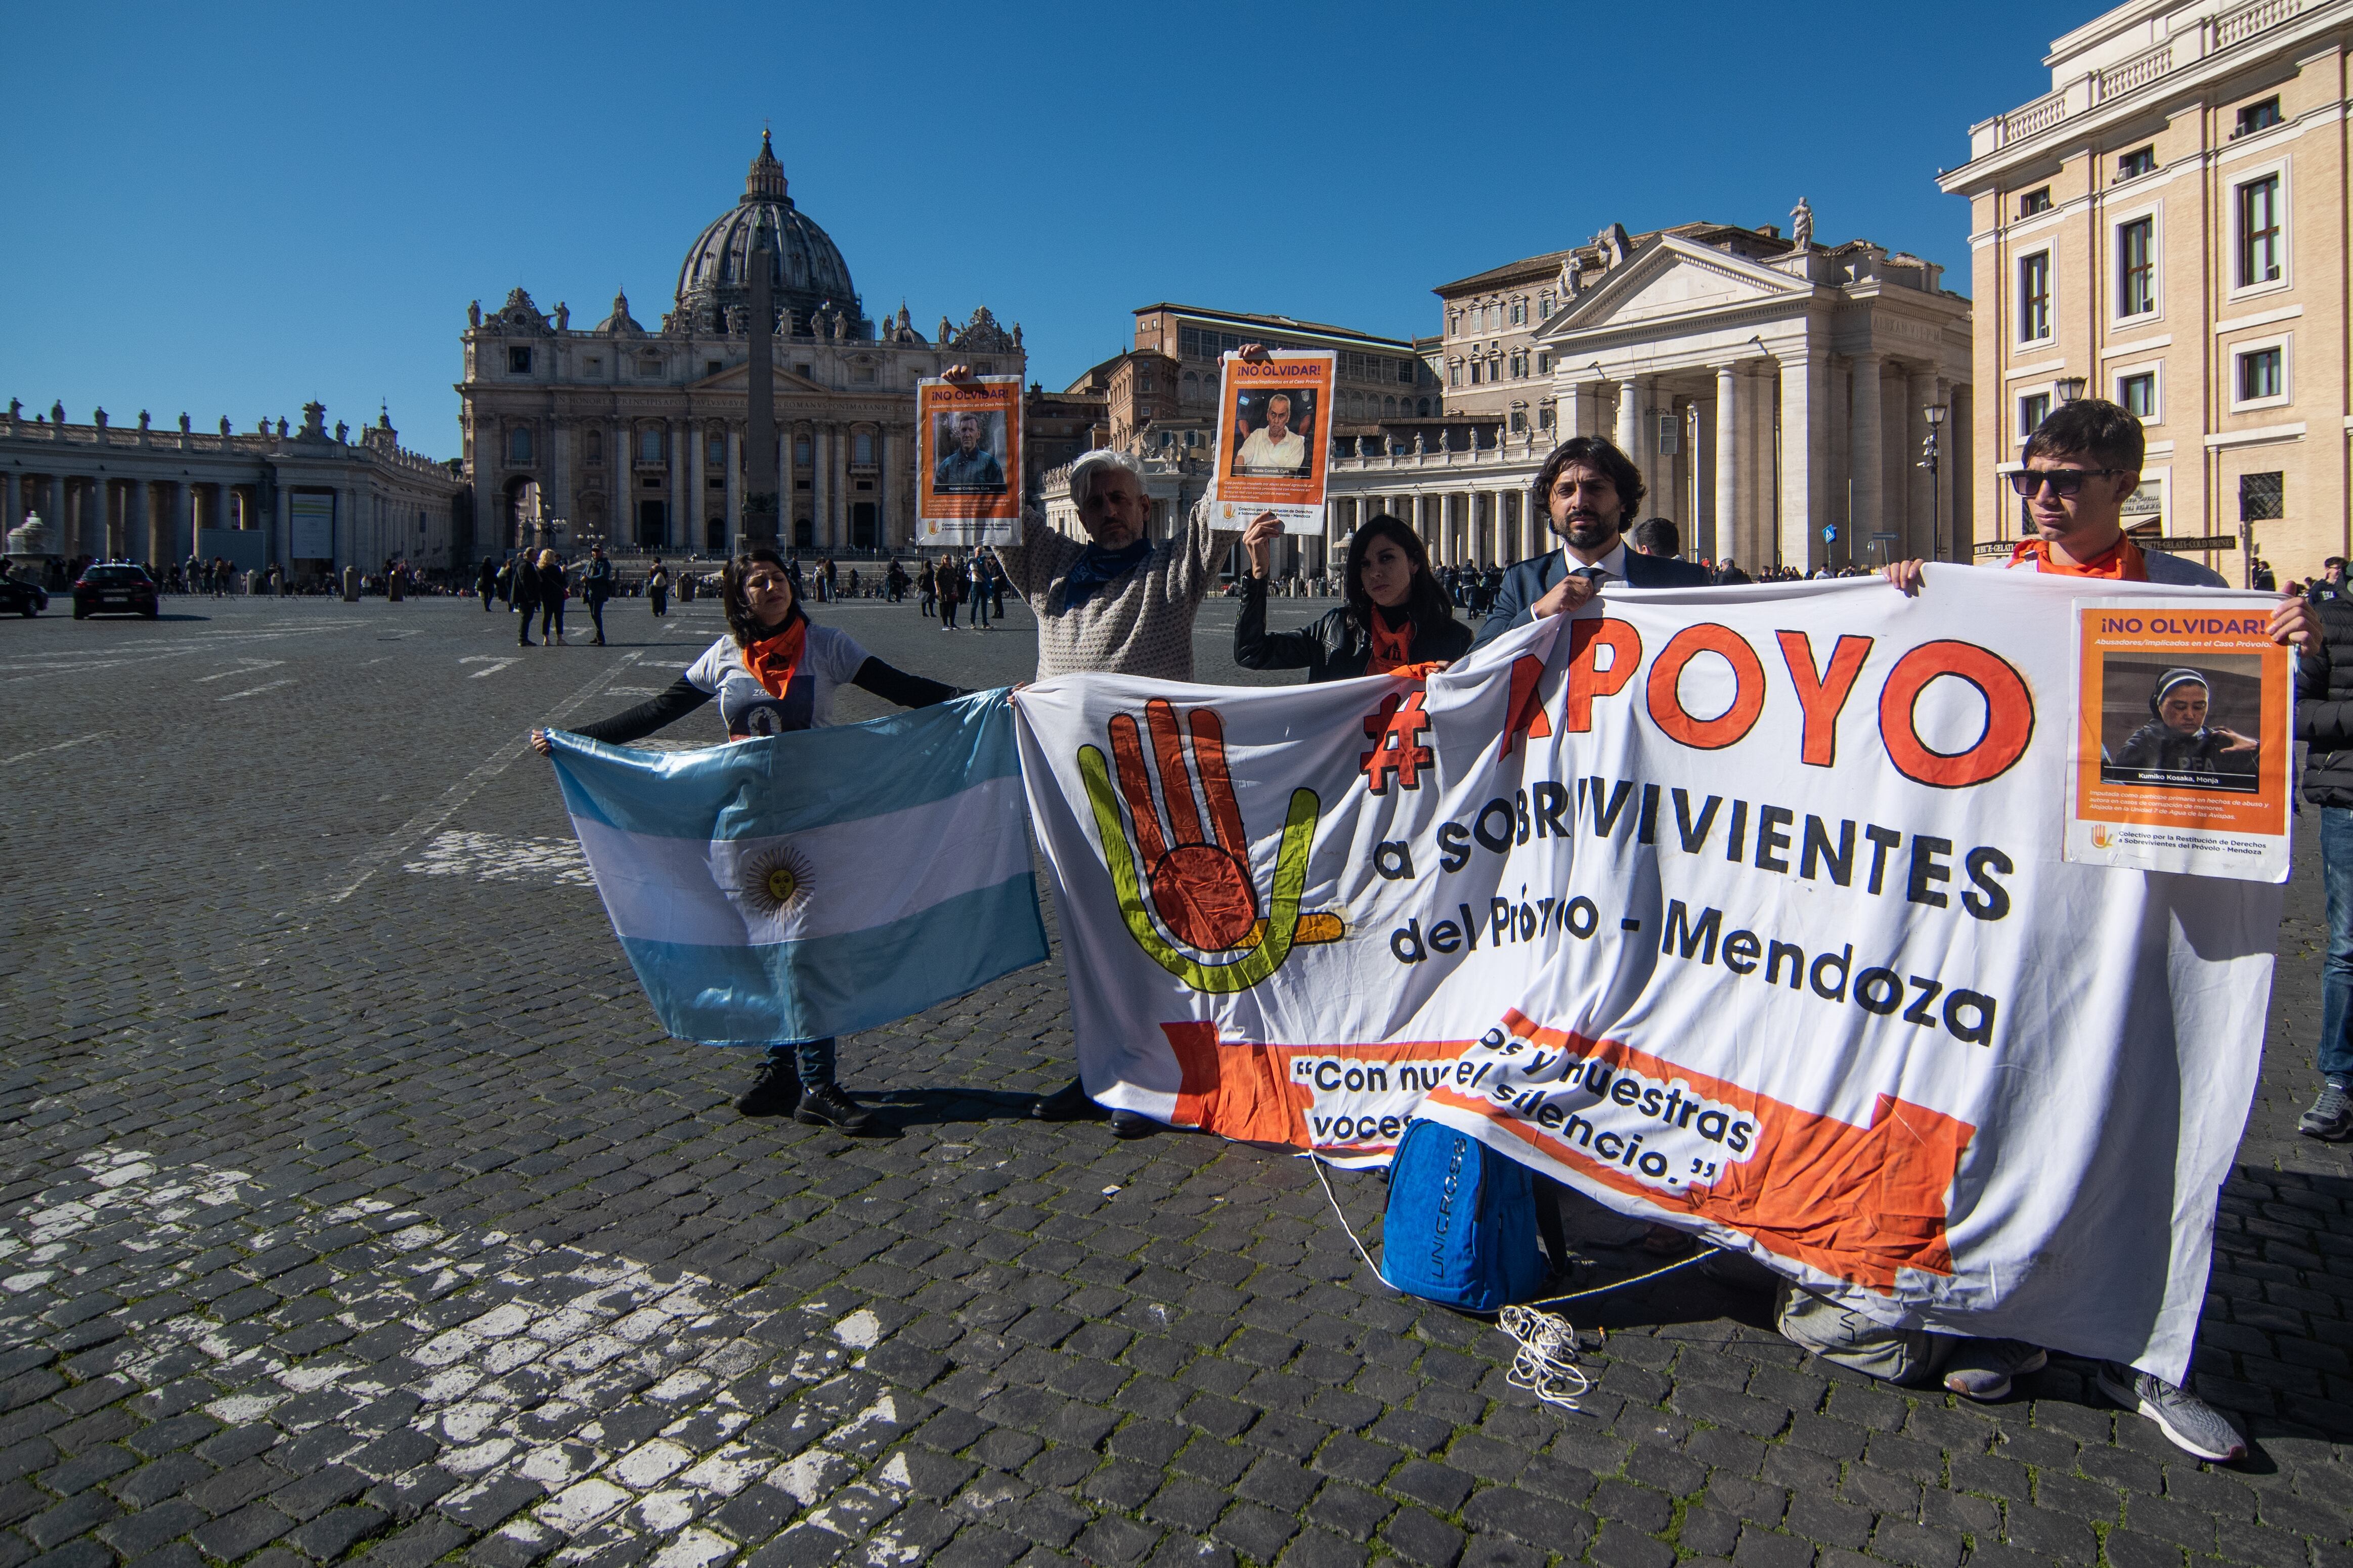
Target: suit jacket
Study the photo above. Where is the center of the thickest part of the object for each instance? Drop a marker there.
(1531, 580)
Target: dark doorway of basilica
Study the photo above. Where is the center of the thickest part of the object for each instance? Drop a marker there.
(651, 521)
(715, 535)
(804, 533)
(862, 525)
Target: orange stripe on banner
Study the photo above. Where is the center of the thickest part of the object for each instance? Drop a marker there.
(1856, 1202)
(1244, 1091)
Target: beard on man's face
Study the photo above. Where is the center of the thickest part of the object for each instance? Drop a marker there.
(1586, 528)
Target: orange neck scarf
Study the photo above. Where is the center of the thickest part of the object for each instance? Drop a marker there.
(1390, 649)
(2122, 561)
(772, 660)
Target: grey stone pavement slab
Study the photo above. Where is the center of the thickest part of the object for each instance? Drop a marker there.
(354, 1207)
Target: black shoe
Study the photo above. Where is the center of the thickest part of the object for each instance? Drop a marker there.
(1069, 1104)
(774, 1093)
(828, 1107)
(1131, 1124)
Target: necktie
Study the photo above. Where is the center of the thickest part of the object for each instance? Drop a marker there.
(1593, 574)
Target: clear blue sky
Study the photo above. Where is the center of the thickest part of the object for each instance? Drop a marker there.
(235, 212)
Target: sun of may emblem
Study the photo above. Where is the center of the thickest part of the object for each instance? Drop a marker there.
(777, 881)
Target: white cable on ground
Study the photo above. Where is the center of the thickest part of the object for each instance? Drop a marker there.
(1545, 1364)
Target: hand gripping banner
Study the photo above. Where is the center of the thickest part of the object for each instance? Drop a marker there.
(1742, 911)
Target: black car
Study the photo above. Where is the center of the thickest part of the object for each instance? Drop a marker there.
(20, 597)
(120, 589)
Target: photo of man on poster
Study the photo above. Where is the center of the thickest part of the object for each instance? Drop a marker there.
(1274, 445)
(969, 464)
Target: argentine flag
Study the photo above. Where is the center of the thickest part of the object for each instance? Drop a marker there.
(817, 882)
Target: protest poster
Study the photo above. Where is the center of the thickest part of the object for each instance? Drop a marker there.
(2184, 738)
(1744, 912)
(1275, 441)
(968, 461)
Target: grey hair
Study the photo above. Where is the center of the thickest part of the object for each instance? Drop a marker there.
(1084, 472)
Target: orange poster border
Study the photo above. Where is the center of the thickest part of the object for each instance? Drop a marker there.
(2263, 813)
(1313, 370)
(986, 393)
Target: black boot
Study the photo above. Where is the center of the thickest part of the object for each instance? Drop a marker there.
(828, 1107)
(1069, 1104)
(774, 1093)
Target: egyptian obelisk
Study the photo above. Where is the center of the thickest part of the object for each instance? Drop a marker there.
(759, 523)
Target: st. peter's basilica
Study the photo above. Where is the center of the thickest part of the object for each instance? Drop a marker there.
(635, 436)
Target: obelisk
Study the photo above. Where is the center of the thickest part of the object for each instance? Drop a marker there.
(759, 524)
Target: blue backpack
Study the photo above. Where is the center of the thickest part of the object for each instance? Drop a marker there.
(1463, 1222)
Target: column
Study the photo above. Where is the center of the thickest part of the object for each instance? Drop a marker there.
(11, 502)
(559, 480)
(282, 529)
(698, 494)
(1629, 418)
(1805, 439)
(1919, 541)
(1575, 402)
(1868, 478)
(183, 522)
(1727, 462)
(821, 485)
(841, 491)
(1760, 475)
(159, 509)
(882, 472)
(680, 432)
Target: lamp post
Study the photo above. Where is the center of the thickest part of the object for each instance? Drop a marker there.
(1929, 453)
(2069, 389)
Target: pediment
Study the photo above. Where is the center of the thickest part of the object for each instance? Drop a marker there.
(1674, 279)
(738, 378)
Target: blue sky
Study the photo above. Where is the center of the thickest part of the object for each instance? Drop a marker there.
(234, 212)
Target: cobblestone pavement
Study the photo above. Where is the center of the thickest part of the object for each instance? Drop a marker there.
(353, 1205)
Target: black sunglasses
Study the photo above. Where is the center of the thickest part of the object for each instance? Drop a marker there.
(2063, 481)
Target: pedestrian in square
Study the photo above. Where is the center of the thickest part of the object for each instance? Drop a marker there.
(949, 578)
(773, 672)
(552, 595)
(596, 586)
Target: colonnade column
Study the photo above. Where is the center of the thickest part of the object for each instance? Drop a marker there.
(680, 432)
(697, 494)
(1804, 456)
(841, 491)
(1629, 416)
(1728, 460)
(1867, 485)
(821, 485)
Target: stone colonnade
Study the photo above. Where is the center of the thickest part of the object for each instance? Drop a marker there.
(104, 515)
(700, 481)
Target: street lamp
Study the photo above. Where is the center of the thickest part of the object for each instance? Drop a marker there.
(1929, 453)
(2069, 389)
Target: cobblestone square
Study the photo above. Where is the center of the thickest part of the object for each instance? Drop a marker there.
(352, 1207)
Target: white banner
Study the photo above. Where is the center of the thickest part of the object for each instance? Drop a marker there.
(1743, 911)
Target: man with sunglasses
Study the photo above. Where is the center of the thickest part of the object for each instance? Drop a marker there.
(2080, 465)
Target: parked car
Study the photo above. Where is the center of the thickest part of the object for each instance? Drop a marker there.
(118, 589)
(22, 596)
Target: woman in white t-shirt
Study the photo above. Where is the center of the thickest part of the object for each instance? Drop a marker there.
(773, 672)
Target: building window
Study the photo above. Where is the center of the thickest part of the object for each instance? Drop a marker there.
(1544, 363)
(2262, 498)
(861, 375)
(594, 446)
(1519, 363)
(1545, 417)
(2260, 250)
(2138, 393)
(1519, 312)
(596, 364)
(1543, 307)
(649, 444)
(2140, 161)
(712, 366)
(2035, 201)
(1422, 408)
(2137, 267)
(1454, 374)
(651, 366)
(1478, 370)
(519, 362)
(715, 451)
(1519, 422)
(2034, 297)
(519, 444)
(2031, 412)
(2261, 374)
(2261, 115)
(800, 451)
(1405, 372)
(861, 449)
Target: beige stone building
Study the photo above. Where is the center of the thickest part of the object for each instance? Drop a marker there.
(306, 499)
(2167, 227)
(635, 437)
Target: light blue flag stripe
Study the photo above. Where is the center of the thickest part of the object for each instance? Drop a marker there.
(839, 985)
(785, 783)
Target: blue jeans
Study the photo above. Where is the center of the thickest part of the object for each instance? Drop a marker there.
(813, 1060)
(2337, 969)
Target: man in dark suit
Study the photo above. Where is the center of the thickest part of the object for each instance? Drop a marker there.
(1588, 489)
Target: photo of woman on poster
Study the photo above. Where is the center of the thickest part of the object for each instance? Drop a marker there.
(2184, 743)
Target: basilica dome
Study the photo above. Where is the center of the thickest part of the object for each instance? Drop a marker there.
(805, 266)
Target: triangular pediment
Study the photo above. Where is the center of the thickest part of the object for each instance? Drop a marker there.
(1673, 279)
(738, 378)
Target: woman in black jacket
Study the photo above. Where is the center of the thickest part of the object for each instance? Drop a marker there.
(525, 588)
(775, 671)
(1395, 614)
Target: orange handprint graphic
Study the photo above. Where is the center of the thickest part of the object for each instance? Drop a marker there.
(1196, 883)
